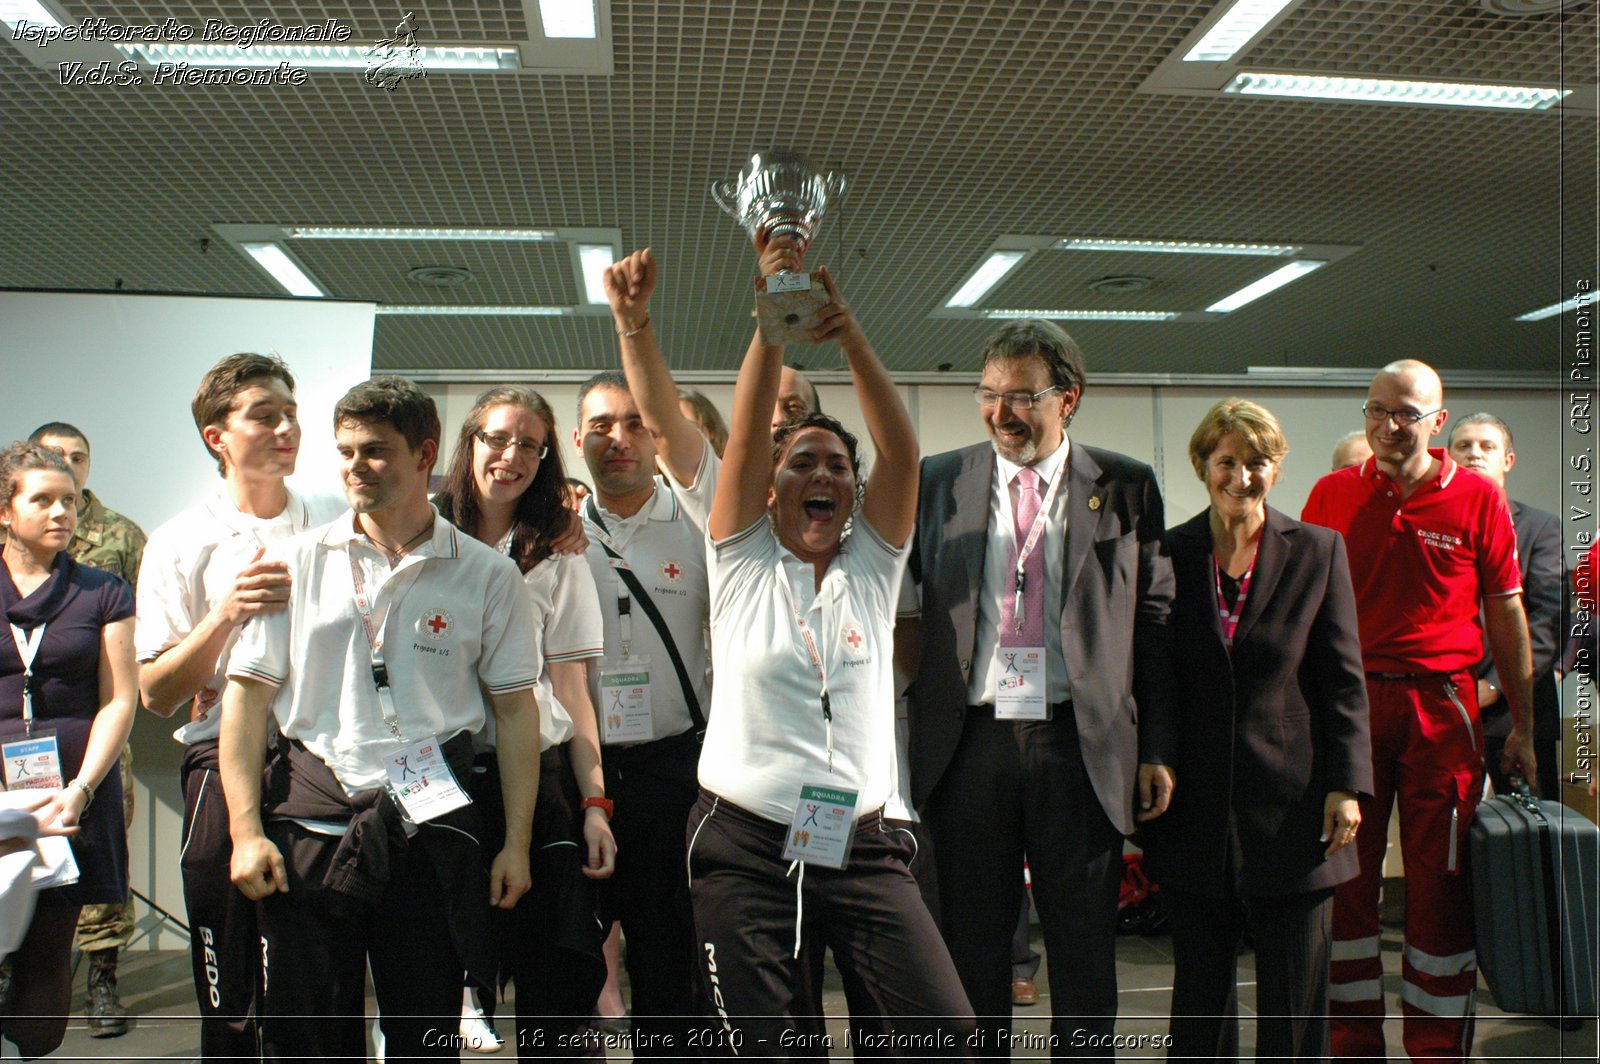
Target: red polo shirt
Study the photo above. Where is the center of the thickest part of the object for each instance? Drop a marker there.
(1420, 566)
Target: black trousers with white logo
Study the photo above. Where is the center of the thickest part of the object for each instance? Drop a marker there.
(750, 907)
(224, 942)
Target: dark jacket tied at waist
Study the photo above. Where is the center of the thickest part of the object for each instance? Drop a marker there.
(358, 865)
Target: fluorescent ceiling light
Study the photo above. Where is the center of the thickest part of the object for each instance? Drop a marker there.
(1234, 30)
(316, 56)
(567, 18)
(1086, 315)
(1384, 90)
(1270, 283)
(272, 258)
(1176, 247)
(462, 310)
(595, 258)
(995, 267)
(29, 11)
(1553, 309)
(330, 232)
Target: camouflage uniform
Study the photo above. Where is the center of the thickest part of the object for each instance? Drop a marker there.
(107, 540)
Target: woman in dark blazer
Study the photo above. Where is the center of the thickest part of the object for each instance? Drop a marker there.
(1274, 750)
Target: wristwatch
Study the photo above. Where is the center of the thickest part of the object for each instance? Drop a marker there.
(605, 805)
(88, 793)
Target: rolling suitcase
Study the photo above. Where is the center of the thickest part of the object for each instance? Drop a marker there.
(1537, 904)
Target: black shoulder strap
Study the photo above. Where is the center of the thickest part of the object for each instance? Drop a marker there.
(650, 611)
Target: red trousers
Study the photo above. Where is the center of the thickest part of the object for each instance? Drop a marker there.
(1427, 752)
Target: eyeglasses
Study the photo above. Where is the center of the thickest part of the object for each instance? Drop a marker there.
(1015, 400)
(1403, 418)
(499, 441)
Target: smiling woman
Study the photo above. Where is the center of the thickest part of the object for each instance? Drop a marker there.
(506, 487)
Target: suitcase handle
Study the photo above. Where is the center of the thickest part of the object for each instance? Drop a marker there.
(1524, 796)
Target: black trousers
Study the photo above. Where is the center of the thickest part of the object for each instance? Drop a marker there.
(1291, 935)
(316, 953)
(750, 909)
(653, 785)
(224, 942)
(549, 944)
(1018, 789)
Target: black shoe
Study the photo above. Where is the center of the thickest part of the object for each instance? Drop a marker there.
(107, 1017)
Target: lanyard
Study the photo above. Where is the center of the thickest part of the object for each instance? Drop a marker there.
(812, 653)
(1025, 551)
(27, 650)
(598, 529)
(372, 624)
(1230, 618)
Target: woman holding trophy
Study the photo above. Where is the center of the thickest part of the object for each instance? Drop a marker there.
(788, 842)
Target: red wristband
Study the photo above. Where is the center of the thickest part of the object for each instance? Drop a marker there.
(605, 805)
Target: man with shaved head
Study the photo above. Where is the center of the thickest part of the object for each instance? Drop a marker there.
(1352, 449)
(1430, 545)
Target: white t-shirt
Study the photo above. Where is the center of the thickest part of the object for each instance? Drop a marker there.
(453, 615)
(566, 626)
(766, 736)
(189, 566)
(665, 548)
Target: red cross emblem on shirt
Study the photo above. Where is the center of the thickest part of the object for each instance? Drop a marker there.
(437, 623)
(670, 570)
(854, 636)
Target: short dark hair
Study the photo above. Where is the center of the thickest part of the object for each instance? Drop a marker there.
(814, 420)
(394, 401)
(21, 457)
(1046, 341)
(708, 417)
(57, 428)
(1482, 417)
(608, 378)
(213, 400)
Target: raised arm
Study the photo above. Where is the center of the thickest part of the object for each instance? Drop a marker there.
(629, 285)
(890, 506)
(747, 462)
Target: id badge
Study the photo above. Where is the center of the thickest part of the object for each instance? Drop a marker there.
(1019, 684)
(823, 828)
(422, 782)
(32, 762)
(625, 714)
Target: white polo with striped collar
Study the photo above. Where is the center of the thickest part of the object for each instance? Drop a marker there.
(459, 626)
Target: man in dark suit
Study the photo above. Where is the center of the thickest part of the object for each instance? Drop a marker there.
(1482, 442)
(1041, 698)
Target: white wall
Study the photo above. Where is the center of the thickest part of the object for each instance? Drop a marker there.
(123, 368)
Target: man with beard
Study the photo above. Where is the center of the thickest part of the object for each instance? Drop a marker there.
(1040, 711)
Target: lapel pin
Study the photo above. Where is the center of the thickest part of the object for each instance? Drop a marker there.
(1094, 502)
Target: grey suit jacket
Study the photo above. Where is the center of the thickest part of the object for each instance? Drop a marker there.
(1116, 596)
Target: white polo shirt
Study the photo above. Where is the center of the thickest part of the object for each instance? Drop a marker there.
(665, 548)
(189, 566)
(457, 618)
(766, 736)
(566, 627)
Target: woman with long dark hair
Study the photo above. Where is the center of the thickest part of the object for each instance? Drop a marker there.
(506, 487)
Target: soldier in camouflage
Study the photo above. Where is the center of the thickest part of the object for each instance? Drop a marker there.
(104, 540)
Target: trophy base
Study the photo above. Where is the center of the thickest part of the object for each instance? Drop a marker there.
(787, 307)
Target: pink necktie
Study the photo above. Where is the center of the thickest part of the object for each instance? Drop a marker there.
(1032, 630)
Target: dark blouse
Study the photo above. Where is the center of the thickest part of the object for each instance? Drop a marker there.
(75, 603)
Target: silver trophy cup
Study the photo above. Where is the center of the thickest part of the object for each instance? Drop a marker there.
(782, 194)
